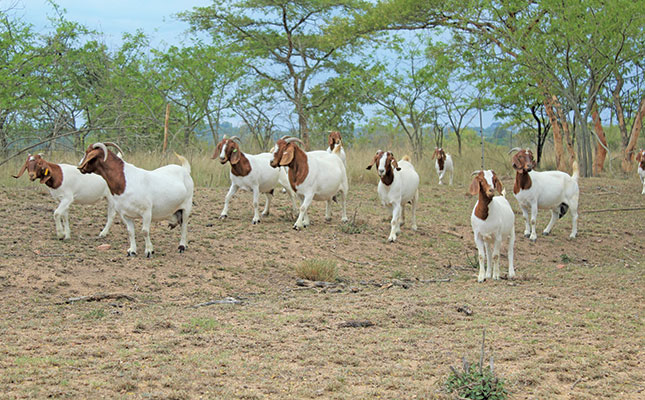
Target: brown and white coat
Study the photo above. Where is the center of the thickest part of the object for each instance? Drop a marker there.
(67, 185)
(640, 158)
(443, 164)
(492, 221)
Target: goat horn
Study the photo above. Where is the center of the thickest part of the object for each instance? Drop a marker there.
(514, 149)
(285, 137)
(114, 145)
(475, 173)
(237, 139)
(101, 146)
(294, 139)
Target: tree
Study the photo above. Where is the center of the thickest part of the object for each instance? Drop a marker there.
(282, 41)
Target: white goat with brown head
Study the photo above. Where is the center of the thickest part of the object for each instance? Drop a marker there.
(640, 158)
(398, 185)
(443, 164)
(67, 185)
(492, 221)
(164, 193)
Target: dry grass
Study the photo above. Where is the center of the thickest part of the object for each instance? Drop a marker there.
(317, 270)
(561, 330)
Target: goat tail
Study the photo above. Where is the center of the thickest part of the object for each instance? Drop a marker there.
(576, 172)
(406, 158)
(184, 162)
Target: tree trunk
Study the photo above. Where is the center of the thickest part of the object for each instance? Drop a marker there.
(620, 114)
(601, 152)
(628, 153)
(458, 134)
(569, 139)
(557, 135)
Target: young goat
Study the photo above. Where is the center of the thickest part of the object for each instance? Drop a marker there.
(251, 172)
(317, 176)
(640, 157)
(443, 164)
(165, 193)
(552, 190)
(492, 221)
(67, 185)
(398, 185)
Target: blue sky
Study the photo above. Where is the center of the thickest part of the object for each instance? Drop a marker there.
(113, 17)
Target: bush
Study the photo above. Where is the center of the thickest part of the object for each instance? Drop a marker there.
(317, 270)
(473, 384)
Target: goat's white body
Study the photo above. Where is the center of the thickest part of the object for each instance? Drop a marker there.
(341, 154)
(447, 168)
(82, 189)
(548, 190)
(489, 234)
(641, 174)
(153, 196)
(403, 189)
(262, 179)
(326, 178)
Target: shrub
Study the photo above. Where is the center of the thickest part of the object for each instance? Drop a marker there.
(317, 270)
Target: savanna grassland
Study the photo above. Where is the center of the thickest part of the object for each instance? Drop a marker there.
(570, 326)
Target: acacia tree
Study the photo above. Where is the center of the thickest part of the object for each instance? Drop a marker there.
(282, 41)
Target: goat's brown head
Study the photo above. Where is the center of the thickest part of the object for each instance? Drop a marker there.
(228, 150)
(333, 139)
(439, 154)
(94, 155)
(36, 167)
(284, 151)
(385, 164)
(486, 182)
(640, 158)
(523, 160)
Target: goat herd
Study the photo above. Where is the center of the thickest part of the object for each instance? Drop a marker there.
(166, 193)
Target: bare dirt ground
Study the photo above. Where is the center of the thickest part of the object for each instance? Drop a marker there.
(571, 326)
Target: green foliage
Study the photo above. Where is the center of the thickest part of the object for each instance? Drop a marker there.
(476, 385)
(317, 270)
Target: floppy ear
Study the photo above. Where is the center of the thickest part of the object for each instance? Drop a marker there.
(474, 186)
(373, 161)
(330, 140)
(24, 167)
(287, 155)
(90, 156)
(234, 158)
(218, 150)
(516, 163)
(498, 184)
(395, 164)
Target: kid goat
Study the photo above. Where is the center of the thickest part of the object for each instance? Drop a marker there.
(165, 193)
(552, 190)
(640, 157)
(492, 221)
(67, 185)
(251, 172)
(443, 164)
(312, 176)
(398, 185)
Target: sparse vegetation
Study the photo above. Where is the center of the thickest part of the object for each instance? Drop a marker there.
(317, 270)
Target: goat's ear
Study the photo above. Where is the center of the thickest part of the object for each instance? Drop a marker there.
(498, 184)
(474, 186)
(22, 170)
(287, 155)
(234, 158)
(373, 161)
(395, 165)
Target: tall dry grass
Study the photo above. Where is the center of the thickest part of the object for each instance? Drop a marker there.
(209, 173)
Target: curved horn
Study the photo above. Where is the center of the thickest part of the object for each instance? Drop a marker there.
(285, 137)
(294, 139)
(514, 149)
(475, 173)
(237, 139)
(114, 145)
(101, 146)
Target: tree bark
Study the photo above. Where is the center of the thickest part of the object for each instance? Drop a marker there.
(601, 152)
(628, 154)
(569, 139)
(557, 135)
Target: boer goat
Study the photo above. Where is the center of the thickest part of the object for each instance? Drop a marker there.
(164, 193)
(312, 176)
(251, 172)
(398, 185)
(442, 164)
(492, 221)
(552, 190)
(640, 157)
(334, 139)
(67, 185)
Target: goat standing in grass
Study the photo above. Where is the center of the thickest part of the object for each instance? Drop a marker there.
(443, 164)
(67, 185)
(492, 221)
(398, 185)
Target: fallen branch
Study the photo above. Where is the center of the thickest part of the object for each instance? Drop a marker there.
(460, 236)
(576, 383)
(226, 300)
(352, 261)
(434, 280)
(612, 209)
(98, 297)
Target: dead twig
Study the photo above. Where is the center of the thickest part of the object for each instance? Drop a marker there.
(98, 297)
(351, 261)
(460, 236)
(612, 209)
(576, 383)
(434, 280)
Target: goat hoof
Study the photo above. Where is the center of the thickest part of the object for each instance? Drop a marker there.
(149, 254)
(132, 253)
(172, 226)
(327, 219)
(545, 233)
(533, 240)
(527, 235)
(222, 217)
(266, 214)
(182, 248)
(256, 222)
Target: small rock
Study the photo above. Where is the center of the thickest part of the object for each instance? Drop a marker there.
(103, 247)
(356, 324)
(465, 309)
